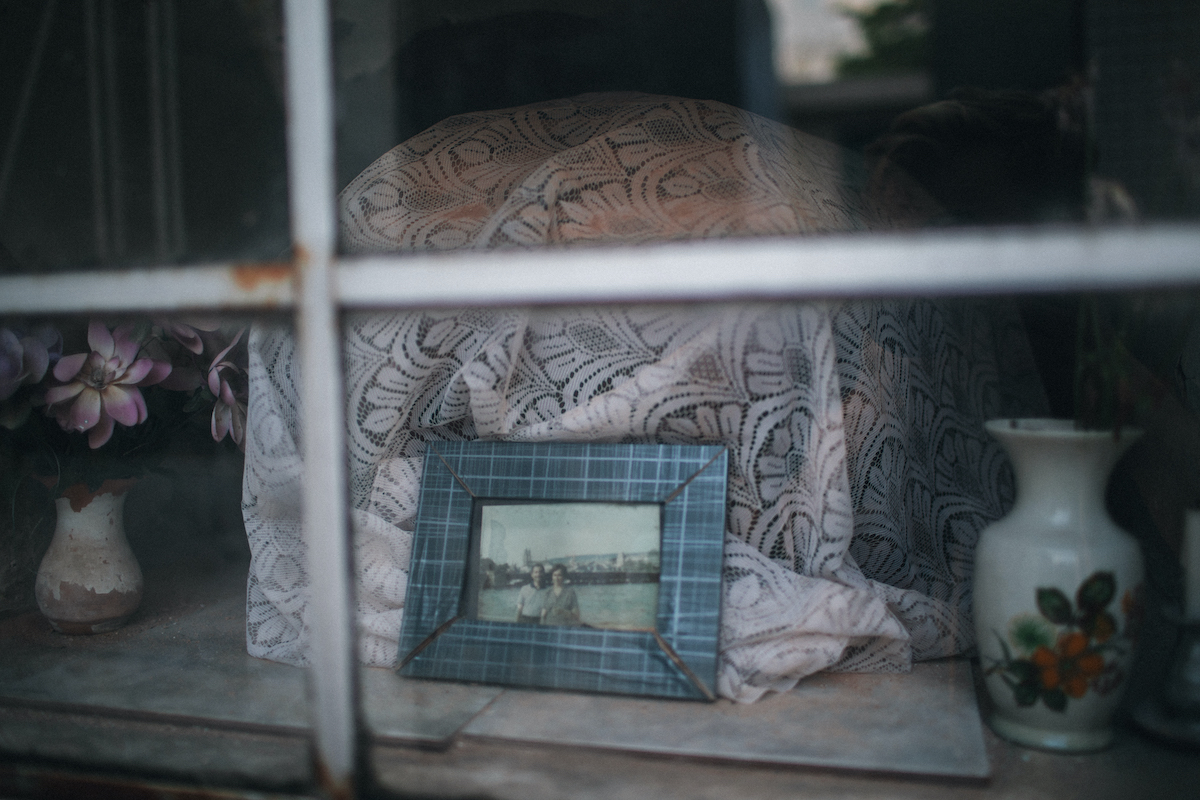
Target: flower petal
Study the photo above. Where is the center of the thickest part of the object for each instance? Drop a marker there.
(57, 394)
(143, 412)
(186, 335)
(159, 371)
(85, 411)
(100, 434)
(214, 381)
(37, 359)
(137, 371)
(222, 419)
(50, 339)
(230, 346)
(100, 340)
(126, 347)
(238, 414)
(68, 366)
(119, 403)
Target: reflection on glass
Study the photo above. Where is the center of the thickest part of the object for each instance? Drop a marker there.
(146, 133)
(93, 407)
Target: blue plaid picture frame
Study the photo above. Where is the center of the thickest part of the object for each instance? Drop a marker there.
(677, 658)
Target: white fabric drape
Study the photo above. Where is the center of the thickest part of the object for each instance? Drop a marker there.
(860, 473)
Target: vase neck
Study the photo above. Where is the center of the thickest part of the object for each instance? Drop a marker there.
(1065, 470)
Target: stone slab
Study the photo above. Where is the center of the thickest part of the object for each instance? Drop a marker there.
(924, 723)
(407, 710)
(191, 664)
(183, 657)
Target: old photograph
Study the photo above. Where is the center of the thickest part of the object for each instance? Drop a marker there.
(575, 564)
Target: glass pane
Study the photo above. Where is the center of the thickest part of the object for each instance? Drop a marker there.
(140, 134)
(912, 381)
(124, 611)
(925, 113)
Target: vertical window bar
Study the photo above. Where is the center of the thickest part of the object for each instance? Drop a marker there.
(308, 54)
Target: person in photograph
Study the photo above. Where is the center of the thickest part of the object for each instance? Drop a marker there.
(529, 601)
(560, 606)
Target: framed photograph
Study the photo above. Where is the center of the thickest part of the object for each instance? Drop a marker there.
(592, 567)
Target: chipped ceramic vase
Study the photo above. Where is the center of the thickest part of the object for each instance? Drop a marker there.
(89, 580)
(1057, 590)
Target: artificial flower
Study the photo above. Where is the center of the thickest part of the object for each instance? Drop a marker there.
(100, 387)
(229, 411)
(25, 359)
(188, 333)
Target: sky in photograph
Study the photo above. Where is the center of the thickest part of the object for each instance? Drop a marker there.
(559, 530)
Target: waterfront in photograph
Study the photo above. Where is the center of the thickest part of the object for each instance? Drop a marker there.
(626, 606)
(569, 563)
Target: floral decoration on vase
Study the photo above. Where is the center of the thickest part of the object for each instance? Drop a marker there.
(1066, 650)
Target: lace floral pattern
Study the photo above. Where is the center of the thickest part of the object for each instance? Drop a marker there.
(860, 473)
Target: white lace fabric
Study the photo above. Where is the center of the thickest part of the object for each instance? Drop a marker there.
(860, 472)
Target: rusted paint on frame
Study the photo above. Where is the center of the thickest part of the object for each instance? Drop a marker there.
(250, 276)
(330, 786)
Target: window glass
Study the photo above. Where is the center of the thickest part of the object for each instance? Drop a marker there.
(1001, 114)
(140, 134)
(123, 588)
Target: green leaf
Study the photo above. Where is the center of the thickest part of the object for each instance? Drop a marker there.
(1003, 647)
(1054, 605)
(1026, 694)
(1096, 592)
(1031, 631)
(1055, 700)
(1023, 671)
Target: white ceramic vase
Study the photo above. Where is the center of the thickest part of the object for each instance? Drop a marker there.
(1057, 590)
(89, 580)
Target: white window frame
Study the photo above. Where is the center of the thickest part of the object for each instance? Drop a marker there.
(317, 285)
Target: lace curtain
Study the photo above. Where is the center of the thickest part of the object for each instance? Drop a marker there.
(860, 473)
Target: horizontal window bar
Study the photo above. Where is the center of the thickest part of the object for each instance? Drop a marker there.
(925, 263)
(976, 262)
(212, 286)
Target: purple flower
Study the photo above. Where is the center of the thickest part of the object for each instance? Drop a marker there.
(101, 387)
(229, 412)
(188, 333)
(24, 359)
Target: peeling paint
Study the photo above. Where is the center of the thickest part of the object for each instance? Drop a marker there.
(251, 276)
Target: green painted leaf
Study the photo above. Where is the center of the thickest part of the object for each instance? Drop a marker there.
(1023, 671)
(1026, 694)
(1054, 605)
(1003, 647)
(1055, 700)
(1097, 591)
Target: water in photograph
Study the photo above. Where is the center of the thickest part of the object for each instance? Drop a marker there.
(622, 605)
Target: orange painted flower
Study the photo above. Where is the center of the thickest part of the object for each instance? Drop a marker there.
(1070, 666)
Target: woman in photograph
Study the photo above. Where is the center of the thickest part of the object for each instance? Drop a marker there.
(529, 601)
(560, 606)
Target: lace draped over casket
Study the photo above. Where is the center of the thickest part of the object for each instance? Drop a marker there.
(860, 474)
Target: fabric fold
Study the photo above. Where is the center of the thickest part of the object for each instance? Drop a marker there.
(860, 473)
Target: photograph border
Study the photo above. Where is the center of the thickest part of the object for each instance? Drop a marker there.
(677, 659)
